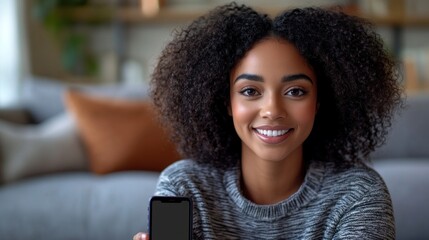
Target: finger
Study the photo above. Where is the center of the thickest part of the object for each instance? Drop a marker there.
(141, 236)
(137, 236)
(145, 236)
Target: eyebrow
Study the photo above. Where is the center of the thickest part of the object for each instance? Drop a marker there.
(288, 78)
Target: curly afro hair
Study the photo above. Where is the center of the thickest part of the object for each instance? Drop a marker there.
(358, 87)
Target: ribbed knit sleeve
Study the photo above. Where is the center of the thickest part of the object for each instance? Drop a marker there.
(370, 217)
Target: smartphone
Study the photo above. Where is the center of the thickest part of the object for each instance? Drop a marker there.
(170, 218)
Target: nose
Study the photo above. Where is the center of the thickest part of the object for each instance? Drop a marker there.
(272, 108)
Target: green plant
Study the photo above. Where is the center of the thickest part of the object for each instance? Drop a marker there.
(75, 57)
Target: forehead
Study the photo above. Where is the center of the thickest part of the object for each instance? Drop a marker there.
(273, 54)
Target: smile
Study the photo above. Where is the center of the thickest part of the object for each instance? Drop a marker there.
(273, 136)
(272, 133)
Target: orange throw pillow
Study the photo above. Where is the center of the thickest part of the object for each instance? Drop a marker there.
(120, 135)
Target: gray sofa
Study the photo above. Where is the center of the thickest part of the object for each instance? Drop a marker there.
(404, 164)
(75, 204)
(61, 199)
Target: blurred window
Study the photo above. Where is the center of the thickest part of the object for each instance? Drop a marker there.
(9, 51)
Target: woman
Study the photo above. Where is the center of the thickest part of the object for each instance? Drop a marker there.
(277, 117)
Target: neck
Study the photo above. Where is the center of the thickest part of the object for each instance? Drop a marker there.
(269, 182)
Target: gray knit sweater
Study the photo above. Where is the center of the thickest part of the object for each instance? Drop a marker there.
(353, 203)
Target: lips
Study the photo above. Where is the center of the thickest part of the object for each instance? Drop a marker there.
(273, 135)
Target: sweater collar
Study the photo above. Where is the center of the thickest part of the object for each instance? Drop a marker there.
(307, 192)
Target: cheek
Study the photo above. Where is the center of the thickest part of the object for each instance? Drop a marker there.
(242, 112)
(305, 113)
(239, 111)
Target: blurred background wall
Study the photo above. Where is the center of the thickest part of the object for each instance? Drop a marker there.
(110, 41)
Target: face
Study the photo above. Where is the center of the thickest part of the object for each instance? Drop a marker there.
(273, 101)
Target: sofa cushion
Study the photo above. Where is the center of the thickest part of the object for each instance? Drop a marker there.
(78, 205)
(121, 135)
(43, 97)
(29, 150)
(409, 134)
(407, 180)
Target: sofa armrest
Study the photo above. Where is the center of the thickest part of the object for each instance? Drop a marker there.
(15, 114)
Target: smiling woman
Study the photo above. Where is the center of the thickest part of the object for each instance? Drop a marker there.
(277, 117)
(273, 106)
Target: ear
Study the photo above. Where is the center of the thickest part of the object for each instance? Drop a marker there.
(228, 107)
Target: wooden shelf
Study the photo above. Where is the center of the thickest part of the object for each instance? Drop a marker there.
(398, 21)
(103, 14)
(127, 15)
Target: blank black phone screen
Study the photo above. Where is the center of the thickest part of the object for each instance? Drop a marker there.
(170, 219)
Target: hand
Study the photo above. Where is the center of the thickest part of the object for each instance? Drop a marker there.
(141, 236)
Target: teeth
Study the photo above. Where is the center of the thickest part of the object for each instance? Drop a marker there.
(272, 133)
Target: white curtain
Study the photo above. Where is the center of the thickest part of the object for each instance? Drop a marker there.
(11, 47)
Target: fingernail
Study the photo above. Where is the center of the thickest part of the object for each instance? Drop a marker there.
(138, 236)
(143, 236)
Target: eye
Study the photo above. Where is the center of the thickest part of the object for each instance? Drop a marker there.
(249, 92)
(296, 92)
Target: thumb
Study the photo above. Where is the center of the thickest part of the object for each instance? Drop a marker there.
(141, 236)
